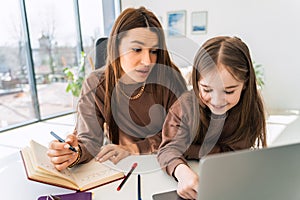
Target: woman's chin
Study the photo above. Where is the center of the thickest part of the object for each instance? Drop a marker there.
(139, 79)
(133, 79)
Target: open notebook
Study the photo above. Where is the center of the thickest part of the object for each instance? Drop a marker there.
(38, 167)
(270, 174)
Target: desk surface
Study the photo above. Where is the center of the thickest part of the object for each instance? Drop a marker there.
(15, 185)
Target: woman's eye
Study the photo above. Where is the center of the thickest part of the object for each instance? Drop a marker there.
(154, 51)
(137, 49)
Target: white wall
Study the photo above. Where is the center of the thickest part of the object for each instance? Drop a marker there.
(271, 28)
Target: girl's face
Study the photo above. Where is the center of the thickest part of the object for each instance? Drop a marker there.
(138, 54)
(219, 90)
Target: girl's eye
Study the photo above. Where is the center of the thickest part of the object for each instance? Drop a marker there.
(207, 90)
(229, 92)
(136, 49)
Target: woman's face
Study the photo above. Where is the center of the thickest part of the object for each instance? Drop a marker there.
(138, 54)
(219, 90)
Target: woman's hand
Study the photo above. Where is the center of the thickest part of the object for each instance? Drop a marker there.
(188, 182)
(60, 154)
(112, 152)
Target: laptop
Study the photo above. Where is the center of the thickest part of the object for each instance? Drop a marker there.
(271, 173)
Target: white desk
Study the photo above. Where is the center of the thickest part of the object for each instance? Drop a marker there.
(15, 185)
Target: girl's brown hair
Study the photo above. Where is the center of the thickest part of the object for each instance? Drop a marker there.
(249, 114)
(129, 19)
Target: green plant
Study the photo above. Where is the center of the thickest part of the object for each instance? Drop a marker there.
(75, 76)
(259, 73)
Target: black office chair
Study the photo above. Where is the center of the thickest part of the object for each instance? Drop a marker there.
(100, 52)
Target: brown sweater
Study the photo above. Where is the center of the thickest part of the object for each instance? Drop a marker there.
(180, 129)
(139, 121)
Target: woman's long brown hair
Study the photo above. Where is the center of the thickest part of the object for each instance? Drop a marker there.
(249, 113)
(129, 19)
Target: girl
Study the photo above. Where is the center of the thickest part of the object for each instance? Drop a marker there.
(224, 112)
(131, 95)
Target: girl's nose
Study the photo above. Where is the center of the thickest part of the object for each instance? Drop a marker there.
(217, 99)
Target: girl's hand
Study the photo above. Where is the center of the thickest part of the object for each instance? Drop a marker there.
(187, 182)
(112, 152)
(60, 154)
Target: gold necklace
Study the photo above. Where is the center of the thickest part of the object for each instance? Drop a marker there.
(135, 96)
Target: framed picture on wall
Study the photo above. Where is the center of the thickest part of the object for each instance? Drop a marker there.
(176, 23)
(199, 22)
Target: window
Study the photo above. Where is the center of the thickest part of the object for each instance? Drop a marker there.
(53, 39)
(91, 21)
(34, 50)
(16, 105)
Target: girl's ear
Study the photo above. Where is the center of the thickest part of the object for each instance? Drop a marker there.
(200, 99)
(200, 96)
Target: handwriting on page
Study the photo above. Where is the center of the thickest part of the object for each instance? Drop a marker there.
(95, 176)
(92, 171)
(50, 167)
(43, 161)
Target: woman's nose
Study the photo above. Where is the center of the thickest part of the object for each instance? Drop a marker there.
(146, 58)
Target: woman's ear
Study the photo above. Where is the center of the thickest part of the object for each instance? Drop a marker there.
(245, 84)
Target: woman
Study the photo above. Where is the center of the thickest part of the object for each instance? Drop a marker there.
(224, 112)
(131, 95)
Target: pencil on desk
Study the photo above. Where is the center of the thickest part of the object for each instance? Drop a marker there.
(127, 176)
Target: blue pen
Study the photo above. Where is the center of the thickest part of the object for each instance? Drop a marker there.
(62, 140)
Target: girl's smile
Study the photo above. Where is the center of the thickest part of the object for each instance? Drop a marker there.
(219, 90)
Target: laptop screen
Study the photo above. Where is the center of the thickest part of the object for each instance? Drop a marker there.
(270, 174)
